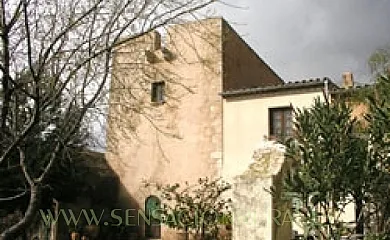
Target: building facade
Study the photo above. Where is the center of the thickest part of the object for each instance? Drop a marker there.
(193, 104)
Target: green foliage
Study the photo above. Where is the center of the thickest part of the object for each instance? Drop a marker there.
(379, 115)
(63, 182)
(200, 208)
(337, 162)
(377, 237)
(355, 95)
(38, 146)
(379, 132)
(330, 159)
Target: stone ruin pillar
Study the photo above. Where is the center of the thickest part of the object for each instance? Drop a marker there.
(257, 214)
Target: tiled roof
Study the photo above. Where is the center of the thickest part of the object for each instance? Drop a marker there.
(311, 83)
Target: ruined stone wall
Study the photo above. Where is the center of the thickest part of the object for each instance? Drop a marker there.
(258, 208)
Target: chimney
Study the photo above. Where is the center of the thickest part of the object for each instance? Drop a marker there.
(347, 80)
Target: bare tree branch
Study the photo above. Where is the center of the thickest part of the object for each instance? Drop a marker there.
(56, 64)
(20, 195)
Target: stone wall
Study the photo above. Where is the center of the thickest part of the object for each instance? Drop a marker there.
(259, 212)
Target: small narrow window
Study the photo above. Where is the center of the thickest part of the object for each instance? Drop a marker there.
(280, 120)
(158, 92)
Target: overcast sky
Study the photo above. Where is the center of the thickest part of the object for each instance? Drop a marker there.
(302, 39)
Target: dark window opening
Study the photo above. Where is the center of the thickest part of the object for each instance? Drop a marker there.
(158, 92)
(281, 124)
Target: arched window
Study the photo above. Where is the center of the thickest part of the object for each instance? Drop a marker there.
(152, 211)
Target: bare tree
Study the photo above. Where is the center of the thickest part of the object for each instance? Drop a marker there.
(379, 61)
(56, 58)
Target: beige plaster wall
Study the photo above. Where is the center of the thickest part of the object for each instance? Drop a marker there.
(246, 123)
(174, 142)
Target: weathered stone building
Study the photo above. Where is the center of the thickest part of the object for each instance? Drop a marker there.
(194, 104)
(176, 86)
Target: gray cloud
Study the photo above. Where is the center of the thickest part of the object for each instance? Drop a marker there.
(303, 39)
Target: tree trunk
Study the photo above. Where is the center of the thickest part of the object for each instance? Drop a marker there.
(19, 228)
(359, 216)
